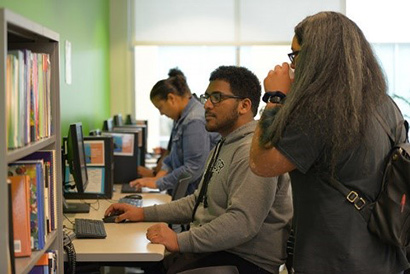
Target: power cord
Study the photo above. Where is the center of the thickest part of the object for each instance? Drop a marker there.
(70, 251)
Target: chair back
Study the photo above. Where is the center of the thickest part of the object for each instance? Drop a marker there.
(182, 185)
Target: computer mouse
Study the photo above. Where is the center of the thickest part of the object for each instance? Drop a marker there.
(111, 218)
(133, 196)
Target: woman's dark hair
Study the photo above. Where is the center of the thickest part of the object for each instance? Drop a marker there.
(338, 83)
(176, 83)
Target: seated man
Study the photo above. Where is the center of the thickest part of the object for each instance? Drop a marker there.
(237, 218)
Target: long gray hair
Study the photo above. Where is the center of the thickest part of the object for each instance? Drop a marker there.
(338, 83)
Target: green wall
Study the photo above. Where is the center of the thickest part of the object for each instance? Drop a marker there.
(84, 23)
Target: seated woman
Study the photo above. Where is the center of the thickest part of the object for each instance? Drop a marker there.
(190, 141)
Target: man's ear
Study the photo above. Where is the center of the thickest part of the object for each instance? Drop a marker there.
(245, 106)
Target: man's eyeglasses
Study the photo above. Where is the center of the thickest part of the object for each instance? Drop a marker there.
(292, 55)
(216, 97)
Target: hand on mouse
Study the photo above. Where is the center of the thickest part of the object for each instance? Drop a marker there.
(129, 212)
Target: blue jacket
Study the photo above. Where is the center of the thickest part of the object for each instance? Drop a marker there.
(190, 146)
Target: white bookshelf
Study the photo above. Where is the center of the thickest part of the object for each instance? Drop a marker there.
(17, 32)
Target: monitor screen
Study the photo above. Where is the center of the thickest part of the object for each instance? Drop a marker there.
(76, 156)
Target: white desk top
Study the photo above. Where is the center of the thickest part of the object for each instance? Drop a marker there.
(125, 242)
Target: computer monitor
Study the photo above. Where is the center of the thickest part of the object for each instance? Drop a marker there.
(129, 120)
(143, 138)
(75, 157)
(118, 120)
(108, 124)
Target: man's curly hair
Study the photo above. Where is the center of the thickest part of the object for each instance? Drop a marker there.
(242, 81)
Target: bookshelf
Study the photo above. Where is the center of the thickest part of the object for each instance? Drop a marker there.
(17, 32)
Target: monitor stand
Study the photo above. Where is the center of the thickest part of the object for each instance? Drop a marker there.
(75, 207)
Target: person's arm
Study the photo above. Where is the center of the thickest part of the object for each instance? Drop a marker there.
(268, 161)
(173, 212)
(128, 212)
(148, 181)
(250, 198)
(178, 211)
(145, 172)
(195, 149)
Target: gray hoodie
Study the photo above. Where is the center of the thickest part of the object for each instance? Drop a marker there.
(247, 215)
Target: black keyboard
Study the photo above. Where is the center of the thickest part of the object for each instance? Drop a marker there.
(87, 228)
(126, 188)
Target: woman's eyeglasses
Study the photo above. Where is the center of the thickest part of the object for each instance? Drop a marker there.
(292, 55)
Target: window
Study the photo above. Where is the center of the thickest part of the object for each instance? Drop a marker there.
(198, 36)
(394, 59)
(153, 64)
(385, 28)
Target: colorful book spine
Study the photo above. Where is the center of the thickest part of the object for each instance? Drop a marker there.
(47, 263)
(28, 97)
(20, 195)
(34, 169)
(48, 156)
(27, 77)
(10, 256)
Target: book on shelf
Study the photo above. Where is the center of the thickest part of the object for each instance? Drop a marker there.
(33, 169)
(28, 97)
(50, 186)
(47, 264)
(27, 84)
(11, 97)
(10, 254)
(20, 196)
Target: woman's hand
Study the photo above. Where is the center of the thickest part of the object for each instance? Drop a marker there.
(278, 79)
(144, 182)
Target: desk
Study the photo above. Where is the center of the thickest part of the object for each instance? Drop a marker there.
(125, 242)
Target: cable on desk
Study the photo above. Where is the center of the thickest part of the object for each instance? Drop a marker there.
(68, 219)
(97, 201)
(71, 255)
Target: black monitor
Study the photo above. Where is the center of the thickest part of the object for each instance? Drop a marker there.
(108, 124)
(129, 120)
(143, 138)
(75, 157)
(118, 120)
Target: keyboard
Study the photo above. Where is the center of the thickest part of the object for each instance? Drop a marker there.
(134, 202)
(126, 188)
(87, 228)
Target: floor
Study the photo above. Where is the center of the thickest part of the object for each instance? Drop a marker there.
(132, 270)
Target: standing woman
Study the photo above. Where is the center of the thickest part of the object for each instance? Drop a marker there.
(324, 124)
(190, 141)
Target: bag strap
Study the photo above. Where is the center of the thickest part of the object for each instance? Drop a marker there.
(384, 125)
(359, 202)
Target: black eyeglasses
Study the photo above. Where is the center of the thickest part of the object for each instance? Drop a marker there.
(216, 97)
(292, 55)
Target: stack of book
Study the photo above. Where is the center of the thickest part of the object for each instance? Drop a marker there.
(34, 191)
(28, 97)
